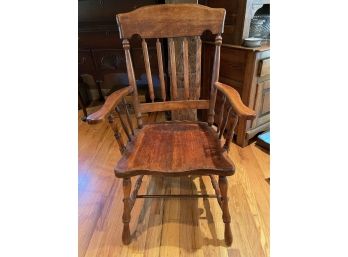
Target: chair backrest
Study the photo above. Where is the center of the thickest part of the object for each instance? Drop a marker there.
(172, 21)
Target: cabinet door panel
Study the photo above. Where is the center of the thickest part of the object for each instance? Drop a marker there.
(262, 104)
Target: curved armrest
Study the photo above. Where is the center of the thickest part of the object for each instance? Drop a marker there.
(109, 105)
(234, 98)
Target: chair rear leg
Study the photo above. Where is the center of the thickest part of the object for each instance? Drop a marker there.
(126, 210)
(223, 185)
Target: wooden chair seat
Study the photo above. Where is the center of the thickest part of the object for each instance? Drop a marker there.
(175, 149)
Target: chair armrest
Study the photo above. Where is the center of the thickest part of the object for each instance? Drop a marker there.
(236, 102)
(109, 105)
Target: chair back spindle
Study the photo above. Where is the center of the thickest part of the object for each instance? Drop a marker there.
(123, 123)
(215, 78)
(174, 86)
(128, 115)
(230, 132)
(222, 109)
(117, 133)
(222, 129)
(160, 69)
(170, 21)
(148, 69)
(132, 81)
(186, 68)
(198, 66)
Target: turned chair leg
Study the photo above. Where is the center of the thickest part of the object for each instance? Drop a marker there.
(126, 211)
(223, 185)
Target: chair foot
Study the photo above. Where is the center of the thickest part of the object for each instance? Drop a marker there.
(226, 217)
(126, 239)
(228, 234)
(126, 234)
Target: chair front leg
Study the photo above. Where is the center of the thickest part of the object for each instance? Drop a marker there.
(223, 185)
(126, 210)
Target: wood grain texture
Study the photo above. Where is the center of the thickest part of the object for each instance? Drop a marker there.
(132, 81)
(175, 149)
(226, 217)
(174, 105)
(170, 20)
(117, 134)
(128, 115)
(148, 69)
(109, 105)
(238, 69)
(185, 52)
(191, 227)
(214, 78)
(235, 100)
(160, 69)
(123, 123)
(264, 67)
(198, 66)
(174, 85)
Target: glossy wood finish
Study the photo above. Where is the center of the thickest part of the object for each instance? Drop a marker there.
(226, 217)
(214, 79)
(127, 186)
(174, 105)
(186, 68)
(175, 149)
(117, 133)
(240, 68)
(111, 102)
(148, 70)
(174, 85)
(171, 20)
(235, 100)
(160, 69)
(128, 115)
(198, 67)
(132, 81)
(168, 227)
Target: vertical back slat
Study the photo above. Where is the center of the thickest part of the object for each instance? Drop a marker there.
(215, 77)
(174, 89)
(186, 68)
(160, 69)
(198, 65)
(148, 69)
(132, 81)
(127, 114)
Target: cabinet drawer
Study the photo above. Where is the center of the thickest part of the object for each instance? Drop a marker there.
(264, 67)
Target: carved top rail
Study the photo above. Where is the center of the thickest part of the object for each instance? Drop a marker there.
(171, 20)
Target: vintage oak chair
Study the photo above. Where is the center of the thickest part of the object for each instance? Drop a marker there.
(173, 148)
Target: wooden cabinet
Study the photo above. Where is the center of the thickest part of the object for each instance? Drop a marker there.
(246, 70)
(100, 47)
(239, 14)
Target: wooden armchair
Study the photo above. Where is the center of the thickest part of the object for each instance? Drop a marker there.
(173, 148)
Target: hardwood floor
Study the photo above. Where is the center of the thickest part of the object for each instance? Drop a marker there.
(171, 227)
